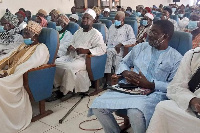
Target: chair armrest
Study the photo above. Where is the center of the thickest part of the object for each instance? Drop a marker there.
(42, 67)
(127, 48)
(95, 66)
(38, 82)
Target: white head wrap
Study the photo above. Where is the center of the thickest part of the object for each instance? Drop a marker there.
(149, 15)
(74, 16)
(91, 12)
(106, 9)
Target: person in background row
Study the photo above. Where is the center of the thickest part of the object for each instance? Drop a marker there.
(119, 35)
(15, 106)
(9, 37)
(73, 10)
(128, 13)
(106, 12)
(54, 15)
(119, 8)
(74, 18)
(144, 11)
(148, 9)
(98, 12)
(42, 13)
(22, 9)
(129, 9)
(167, 12)
(144, 28)
(28, 16)
(65, 36)
(42, 21)
(21, 16)
(182, 21)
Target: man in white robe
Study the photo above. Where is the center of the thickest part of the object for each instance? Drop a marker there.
(71, 69)
(15, 106)
(9, 38)
(177, 115)
(119, 35)
(167, 12)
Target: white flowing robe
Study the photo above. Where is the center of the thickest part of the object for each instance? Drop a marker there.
(71, 69)
(175, 116)
(15, 106)
(124, 35)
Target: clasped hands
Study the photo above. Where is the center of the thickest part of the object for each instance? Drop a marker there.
(78, 50)
(117, 47)
(138, 79)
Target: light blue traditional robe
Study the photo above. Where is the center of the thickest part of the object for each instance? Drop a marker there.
(158, 66)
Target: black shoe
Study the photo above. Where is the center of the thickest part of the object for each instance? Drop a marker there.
(55, 96)
(105, 86)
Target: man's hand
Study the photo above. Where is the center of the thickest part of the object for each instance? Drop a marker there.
(71, 48)
(82, 51)
(138, 79)
(117, 47)
(195, 104)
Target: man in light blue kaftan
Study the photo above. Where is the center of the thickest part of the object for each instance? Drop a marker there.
(155, 64)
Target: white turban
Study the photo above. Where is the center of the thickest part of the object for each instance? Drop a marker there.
(149, 15)
(91, 12)
(74, 16)
(106, 9)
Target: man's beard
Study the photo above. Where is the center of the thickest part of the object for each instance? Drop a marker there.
(85, 27)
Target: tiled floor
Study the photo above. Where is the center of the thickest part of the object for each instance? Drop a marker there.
(50, 124)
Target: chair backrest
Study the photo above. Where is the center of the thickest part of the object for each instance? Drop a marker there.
(51, 25)
(111, 18)
(174, 17)
(112, 15)
(133, 24)
(156, 19)
(159, 14)
(100, 28)
(107, 22)
(72, 27)
(50, 38)
(33, 17)
(181, 41)
(130, 18)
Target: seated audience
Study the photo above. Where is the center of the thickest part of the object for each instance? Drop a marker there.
(9, 37)
(22, 9)
(180, 114)
(73, 10)
(65, 36)
(119, 35)
(15, 106)
(106, 12)
(144, 28)
(98, 12)
(128, 13)
(28, 15)
(54, 15)
(42, 13)
(167, 12)
(129, 9)
(71, 74)
(74, 18)
(196, 36)
(42, 21)
(183, 21)
(21, 16)
(155, 64)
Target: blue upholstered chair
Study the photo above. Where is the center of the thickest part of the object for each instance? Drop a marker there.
(158, 14)
(156, 19)
(101, 28)
(112, 15)
(133, 24)
(51, 25)
(130, 18)
(108, 23)
(68, 15)
(182, 42)
(111, 18)
(187, 14)
(72, 27)
(33, 17)
(174, 17)
(39, 81)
